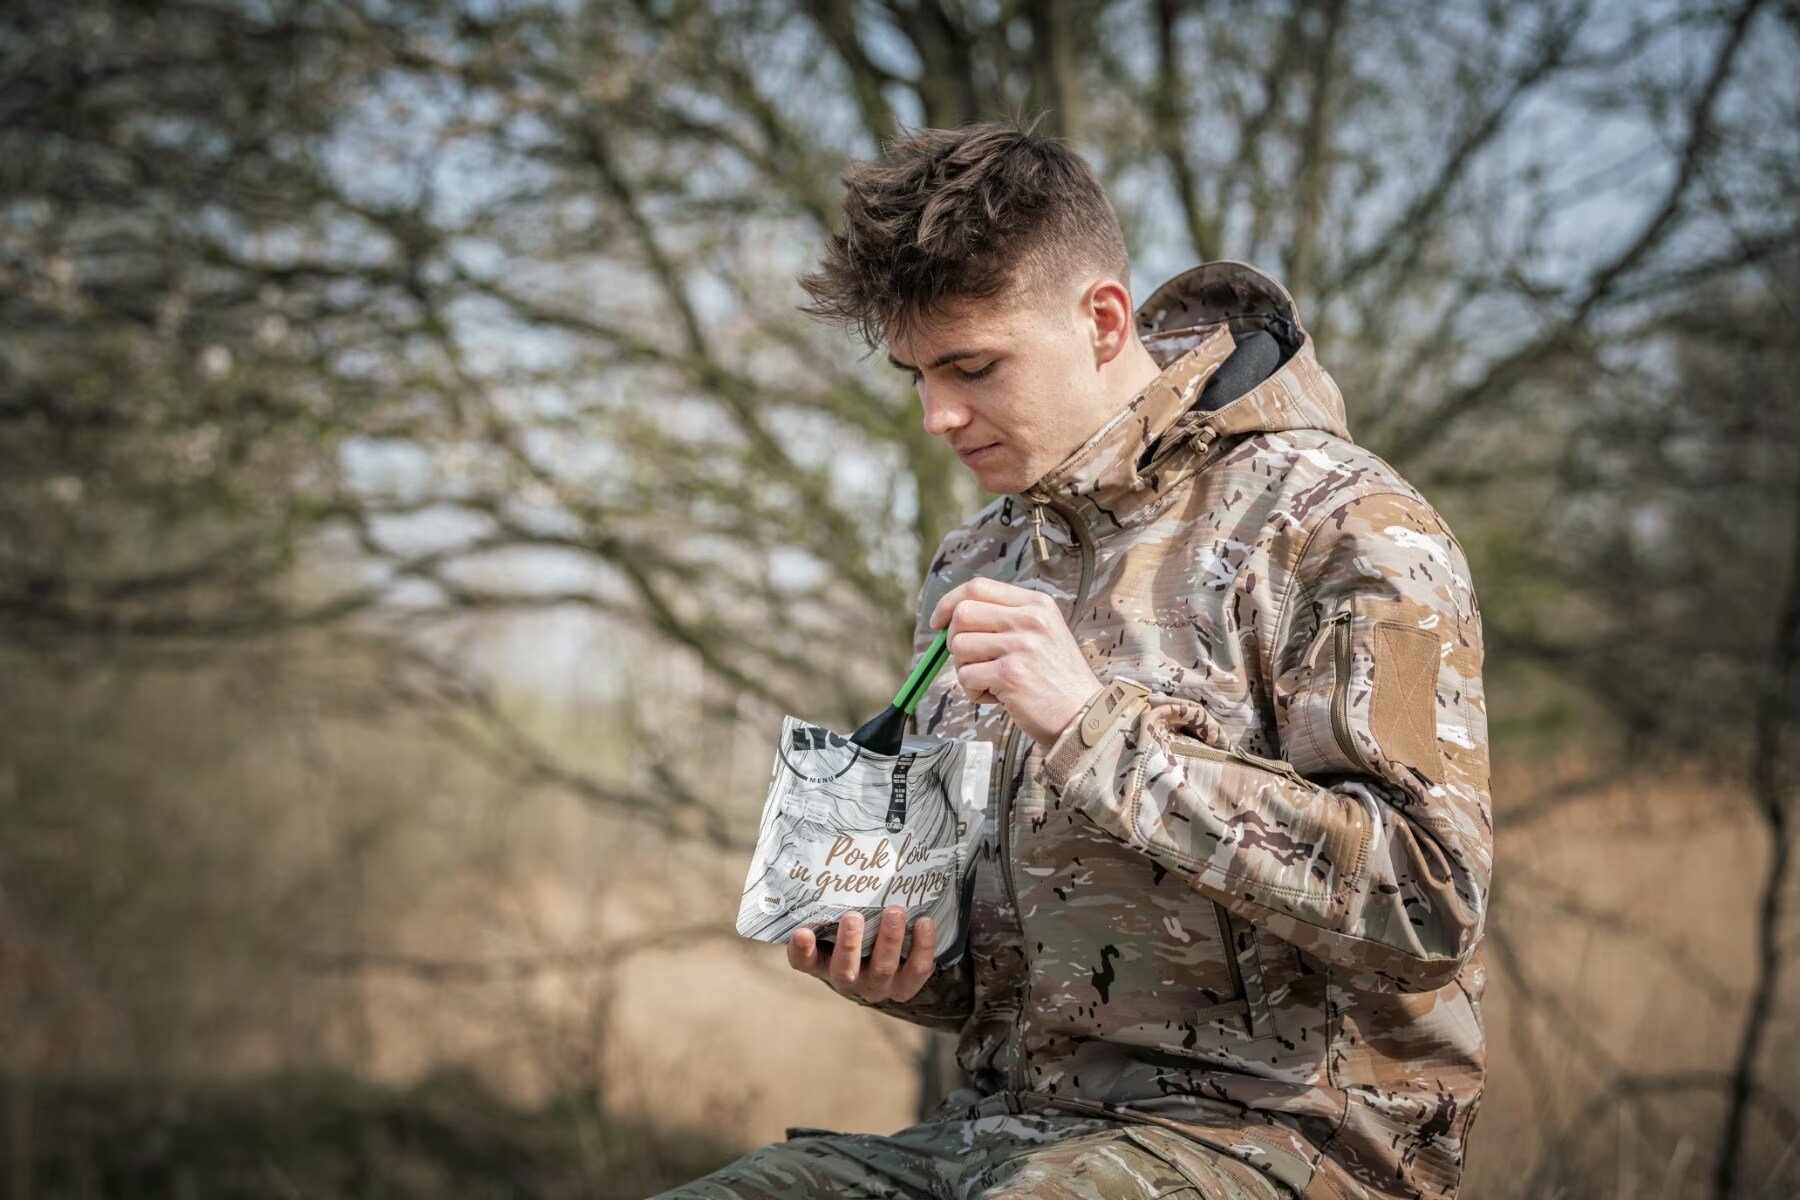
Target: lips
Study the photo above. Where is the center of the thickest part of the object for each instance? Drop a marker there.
(977, 453)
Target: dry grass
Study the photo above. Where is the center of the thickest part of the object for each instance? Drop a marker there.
(276, 891)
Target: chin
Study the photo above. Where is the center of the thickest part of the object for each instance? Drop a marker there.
(995, 479)
(1001, 474)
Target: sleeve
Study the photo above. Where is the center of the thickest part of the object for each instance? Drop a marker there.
(948, 997)
(943, 1003)
(1368, 844)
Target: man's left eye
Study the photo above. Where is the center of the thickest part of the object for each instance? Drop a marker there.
(983, 373)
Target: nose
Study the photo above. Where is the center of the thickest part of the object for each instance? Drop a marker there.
(942, 414)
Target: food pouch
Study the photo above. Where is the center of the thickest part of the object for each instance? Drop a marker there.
(845, 829)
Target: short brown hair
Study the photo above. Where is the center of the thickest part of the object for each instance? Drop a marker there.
(987, 211)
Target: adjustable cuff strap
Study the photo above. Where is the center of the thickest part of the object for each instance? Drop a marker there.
(1116, 705)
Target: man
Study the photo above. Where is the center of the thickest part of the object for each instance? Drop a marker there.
(1223, 938)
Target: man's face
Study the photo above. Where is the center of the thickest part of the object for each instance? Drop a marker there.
(1012, 388)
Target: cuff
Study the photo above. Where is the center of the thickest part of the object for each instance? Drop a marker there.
(1114, 706)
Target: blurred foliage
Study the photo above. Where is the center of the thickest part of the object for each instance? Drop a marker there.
(333, 1135)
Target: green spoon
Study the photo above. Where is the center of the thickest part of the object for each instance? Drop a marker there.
(885, 734)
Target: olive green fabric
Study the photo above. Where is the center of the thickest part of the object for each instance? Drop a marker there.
(987, 1151)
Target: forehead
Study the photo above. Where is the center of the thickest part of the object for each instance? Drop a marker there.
(960, 324)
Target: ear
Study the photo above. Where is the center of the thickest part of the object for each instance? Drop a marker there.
(1106, 309)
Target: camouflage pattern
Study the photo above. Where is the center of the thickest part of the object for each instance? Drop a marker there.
(1242, 894)
(994, 1150)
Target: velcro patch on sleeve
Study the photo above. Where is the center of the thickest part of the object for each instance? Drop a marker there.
(1403, 696)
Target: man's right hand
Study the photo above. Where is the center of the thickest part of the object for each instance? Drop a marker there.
(884, 976)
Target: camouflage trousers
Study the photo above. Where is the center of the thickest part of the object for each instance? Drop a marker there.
(984, 1150)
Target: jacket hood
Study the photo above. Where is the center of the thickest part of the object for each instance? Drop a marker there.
(1191, 326)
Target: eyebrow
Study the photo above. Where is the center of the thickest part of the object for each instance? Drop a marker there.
(947, 357)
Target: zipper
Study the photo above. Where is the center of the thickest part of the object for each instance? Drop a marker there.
(1085, 545)
(1037, 531)
(1339, 624)
(1340, 691)
(1005, 776)
(1229, 945)
(1227, 942)
(1244, 1005)
(1013, 737)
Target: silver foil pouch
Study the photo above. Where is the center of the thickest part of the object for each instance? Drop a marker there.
(847, 830)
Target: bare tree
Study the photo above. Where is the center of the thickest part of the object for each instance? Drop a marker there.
(392, 318)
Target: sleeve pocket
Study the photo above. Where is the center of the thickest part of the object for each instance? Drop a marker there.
(1364, 698)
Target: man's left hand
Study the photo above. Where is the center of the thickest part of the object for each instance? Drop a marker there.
(1012, 646)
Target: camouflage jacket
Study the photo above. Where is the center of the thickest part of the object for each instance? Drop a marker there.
(1242, 893)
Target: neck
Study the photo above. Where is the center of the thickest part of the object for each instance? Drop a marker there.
(1121, 380)
(1128, 374)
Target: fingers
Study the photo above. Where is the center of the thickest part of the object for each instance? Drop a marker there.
(973, 646)
(993, 592)
(885, 976)
(946, 605)
(919, 963)
(982, 681)
(981, 616)
(884, 961)
(803, 953)
(846, 959)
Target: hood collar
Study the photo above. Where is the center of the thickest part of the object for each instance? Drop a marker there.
(1156, 440)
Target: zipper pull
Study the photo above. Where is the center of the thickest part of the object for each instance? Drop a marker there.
(1204, 439)
(1037, 531)
(1329, 623)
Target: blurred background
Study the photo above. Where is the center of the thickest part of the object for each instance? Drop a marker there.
(408, 446)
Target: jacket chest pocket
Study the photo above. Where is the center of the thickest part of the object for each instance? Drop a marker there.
(1248, 1009)
(1364, 697)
